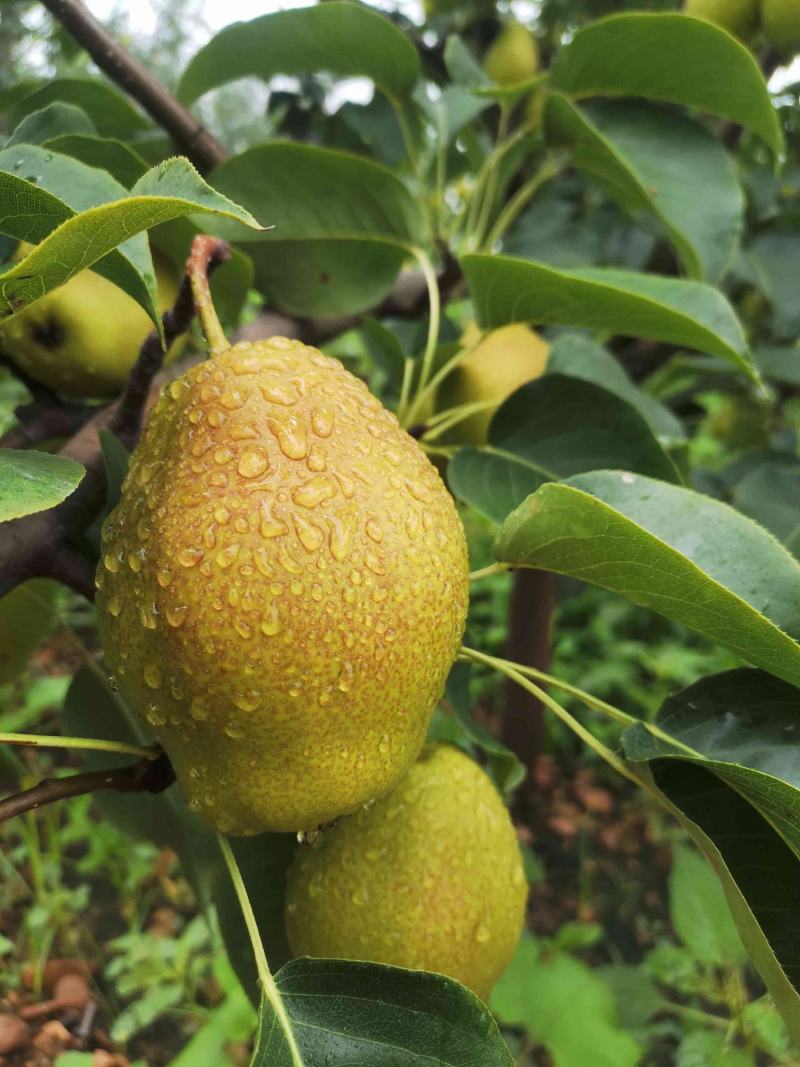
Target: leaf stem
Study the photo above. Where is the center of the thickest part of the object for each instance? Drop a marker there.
(88, 744)
(443, 372)
(485, 572)
(432, 283)
(518, 201)
(268, 985)
(510, 671)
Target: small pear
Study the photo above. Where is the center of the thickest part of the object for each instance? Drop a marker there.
(282, 588)
(430, 878)
(513, 56)
(498, 365)
(780, 21)
(83, 338)
(739, 17)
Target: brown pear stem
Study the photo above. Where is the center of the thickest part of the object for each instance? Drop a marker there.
(205, 252)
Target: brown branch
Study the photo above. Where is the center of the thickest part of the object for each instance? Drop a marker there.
(40, 422)
(190, 136)
(144, 776)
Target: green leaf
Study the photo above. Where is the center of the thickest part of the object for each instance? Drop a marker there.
(709, 1048)
(339, 37)
(232, 1020)
(658, 163)
(634, 54)
(686, 313)
(564, 1006)
(669, 549)
(345, 1013)
(53, 120)
(343, 225)
(111, 112)
(780, 363)
(168, 191)
(33, 481)
(770, 494)
(104, 153)
(580, 357)
(230, 282)
(549, 429)
(775, 258)
(699, 912)
(757, 870)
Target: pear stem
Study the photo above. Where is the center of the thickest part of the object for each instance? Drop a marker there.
(87, 744)
(206, 250)
(269, 988)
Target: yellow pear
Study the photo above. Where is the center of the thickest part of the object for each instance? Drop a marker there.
(739, 17)
(282, 589)
(513, 56)
(780, 21)
(430, 878)
(498, 365)
(83, 338)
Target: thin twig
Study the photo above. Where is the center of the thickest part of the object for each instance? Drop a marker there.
(126, 421)
(39, 422)
(189, 135)
(145, 776)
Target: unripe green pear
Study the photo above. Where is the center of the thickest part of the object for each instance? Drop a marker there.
(282, 589)
(430, 878)
(780, 21)
(513, 56)
(83, 338)
(503, 361)
(739, 17)
(27, 615)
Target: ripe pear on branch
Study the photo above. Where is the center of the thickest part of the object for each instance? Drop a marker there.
(492, 370)
(513, 56)
(83, 338)
(739, 17)
(283, 585)
(780, 21)
(430, 878)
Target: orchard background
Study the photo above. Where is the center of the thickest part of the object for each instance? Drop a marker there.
(561, 240)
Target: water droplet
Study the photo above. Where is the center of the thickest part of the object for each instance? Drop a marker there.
(253, 462)
(317, 460)
(155, 716)
(226, 556)
(152, 676)
(248, 701)
(189, 557)
(270, 624)
(322, 421)
(339, 540)
(198, 709)
(279, 393)
(176, 614)
(291, 438)
(310, 536)
(419, 492)
(313, 492)
(114, 606)
(482, 934)
(111, 562)
(346, 677)
(383, 745)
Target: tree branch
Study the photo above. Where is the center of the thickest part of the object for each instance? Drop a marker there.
(144, 776)
(190, 136)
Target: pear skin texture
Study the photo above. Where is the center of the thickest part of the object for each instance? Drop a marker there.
(282, 589)
(739, 17)
(780, 21)
(503, 361)
(83, 338)
(429, 878)
(513, 56)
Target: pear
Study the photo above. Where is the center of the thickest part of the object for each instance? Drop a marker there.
(498, 365)
(83, 338)
(739, 17)
(282, 589)
(513, 56)
(429, 878)
(780, 21)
